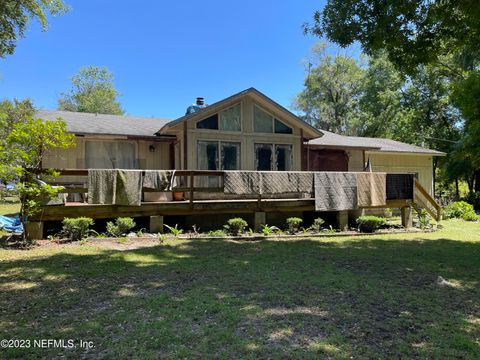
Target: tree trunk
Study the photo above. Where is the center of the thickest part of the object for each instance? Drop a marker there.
(477, 180)
(470, 181)
(457, 191)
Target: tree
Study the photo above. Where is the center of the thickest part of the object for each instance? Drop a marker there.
(21, 154)
(331, 91)
(411, 32)
(381, 112)
(93, 92)
(15, 16)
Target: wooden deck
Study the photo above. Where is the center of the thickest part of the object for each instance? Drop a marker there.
(192, 206)
(197, 207)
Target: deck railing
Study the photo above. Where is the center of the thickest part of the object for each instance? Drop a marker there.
(186, 184)
(185, 180)
(422, 199)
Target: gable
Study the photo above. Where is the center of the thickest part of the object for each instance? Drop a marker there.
(246, 98)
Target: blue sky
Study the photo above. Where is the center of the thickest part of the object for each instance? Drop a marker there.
(164, 54)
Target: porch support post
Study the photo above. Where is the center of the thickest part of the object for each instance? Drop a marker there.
(185, 145)
(342, 220)
(259, 219)
(156, 224)
(35, 230)
(407, 217)
(302, 152)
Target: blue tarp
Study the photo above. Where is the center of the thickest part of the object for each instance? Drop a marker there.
(11, 224)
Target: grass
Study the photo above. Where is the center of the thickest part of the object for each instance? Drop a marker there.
(9, 208)
(363, 297)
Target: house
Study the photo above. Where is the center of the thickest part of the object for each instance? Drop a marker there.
(246, 131)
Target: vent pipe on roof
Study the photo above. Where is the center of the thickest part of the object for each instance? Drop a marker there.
(199, 104)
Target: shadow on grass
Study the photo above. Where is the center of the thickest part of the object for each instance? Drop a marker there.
(269, 299)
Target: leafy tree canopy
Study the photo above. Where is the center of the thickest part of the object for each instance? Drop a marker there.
(92, 91)
(25, 142)
(15, 16)
(412, 32)
(331, 93)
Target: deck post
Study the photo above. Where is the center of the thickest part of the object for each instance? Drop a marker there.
(342, 220)
(407, 217)
(259, 220)
(156, 224)
(35, 230)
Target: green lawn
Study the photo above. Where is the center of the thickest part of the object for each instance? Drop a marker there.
(362, 297)
(9, 208)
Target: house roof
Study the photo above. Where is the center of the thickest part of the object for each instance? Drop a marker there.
(332, 140)
(102, 124)
(250, 91)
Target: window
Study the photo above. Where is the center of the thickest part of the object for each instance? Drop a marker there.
(281, 128)
(110, 155)
(266, 123)
(207, 155)
(284, 158)
(209, 123)
(266, 159)
(210, 158)
(226, 120)
(263, 157)
(262, 122)
(230, 156)
(230, 119)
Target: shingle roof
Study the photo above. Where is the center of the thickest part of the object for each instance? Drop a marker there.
(330, 139)
(86, 123)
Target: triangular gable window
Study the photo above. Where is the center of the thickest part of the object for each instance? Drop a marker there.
(281, 128)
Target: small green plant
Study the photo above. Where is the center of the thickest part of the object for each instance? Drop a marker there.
(267, 230)
(293, 224)
(217, 233)
(423, 219)
(76, 228)
(317, 225)
(250, 232)
(174, 230)
(161, 238)
(235, 226)
(369, 224)
(121, 226)
(330, 230)
(140, 232)
(459, 210)
(470, 216)
(387, 212)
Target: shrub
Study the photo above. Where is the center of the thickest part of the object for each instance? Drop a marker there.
(470, 216)
(267, 230)
(474, 199)
(293, 224)
(217, 233)
(459, 209)
(235, 226)
(423, 219)
(77, 228)
(121, 226)
(174, 230)
(317, 225)
(369, 224)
